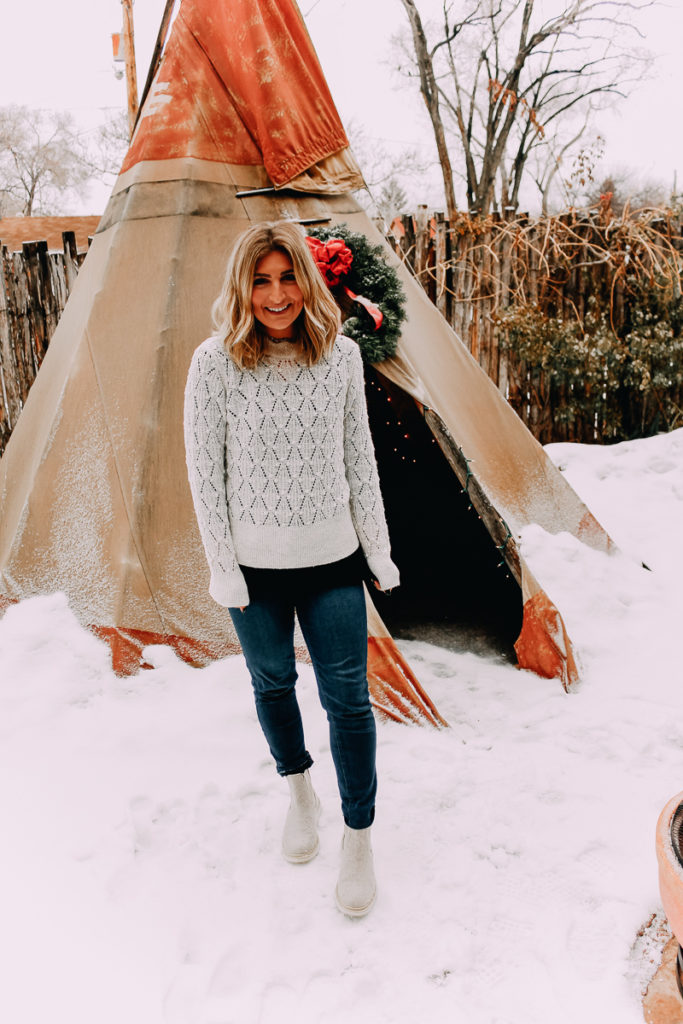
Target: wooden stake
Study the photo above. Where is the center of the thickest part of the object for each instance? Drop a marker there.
(158, 51)
(131, 73)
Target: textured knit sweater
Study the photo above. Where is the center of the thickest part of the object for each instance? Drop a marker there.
(281, 465)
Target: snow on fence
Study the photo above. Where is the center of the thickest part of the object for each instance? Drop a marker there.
(578, 318)
(34, 287)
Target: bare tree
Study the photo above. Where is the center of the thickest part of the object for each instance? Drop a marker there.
(401, 165)
(109, 146)
(548, 165)
(431, 93)
(42, 160)
(501, 77)
(621, 188)
(392, 200)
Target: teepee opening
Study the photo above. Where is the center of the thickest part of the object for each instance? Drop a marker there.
(454, 592)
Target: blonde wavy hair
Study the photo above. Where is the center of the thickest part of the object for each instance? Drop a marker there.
(317, 325)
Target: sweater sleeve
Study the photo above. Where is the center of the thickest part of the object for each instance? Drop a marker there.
(205, 425)
(367, 508)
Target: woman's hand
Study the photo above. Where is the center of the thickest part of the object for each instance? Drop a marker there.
(380, 589)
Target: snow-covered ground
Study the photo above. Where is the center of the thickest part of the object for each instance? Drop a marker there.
(140, 873)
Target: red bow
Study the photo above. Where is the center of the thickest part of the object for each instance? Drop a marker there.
(333, 259)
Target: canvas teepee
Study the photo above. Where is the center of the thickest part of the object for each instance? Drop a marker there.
(238, 126)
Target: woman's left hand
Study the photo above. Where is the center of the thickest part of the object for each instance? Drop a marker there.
(377, 586)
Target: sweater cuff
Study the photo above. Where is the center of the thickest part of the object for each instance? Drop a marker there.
(384, 570)
(229, 589)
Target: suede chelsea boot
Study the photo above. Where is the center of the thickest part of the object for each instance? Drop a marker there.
(300, 837)
(357, 889)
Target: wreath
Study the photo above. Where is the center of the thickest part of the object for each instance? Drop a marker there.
(365, 287)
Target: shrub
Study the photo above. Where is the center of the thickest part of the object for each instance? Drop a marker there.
(579, 381)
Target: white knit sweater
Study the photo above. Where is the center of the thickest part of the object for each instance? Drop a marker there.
(281, 465)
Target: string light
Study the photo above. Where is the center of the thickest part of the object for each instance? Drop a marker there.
(502, 547)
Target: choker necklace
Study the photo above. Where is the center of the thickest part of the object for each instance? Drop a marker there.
(277, 341)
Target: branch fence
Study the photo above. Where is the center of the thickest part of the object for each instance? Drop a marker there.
(34, 287)
(553, 309)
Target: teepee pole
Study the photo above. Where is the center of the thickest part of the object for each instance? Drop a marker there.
(131, 72)
(156, 55)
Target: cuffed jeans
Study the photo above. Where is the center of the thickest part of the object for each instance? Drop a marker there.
(334, 625)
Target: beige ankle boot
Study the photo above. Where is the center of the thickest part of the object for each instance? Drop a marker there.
(300, 837)
(356, 889)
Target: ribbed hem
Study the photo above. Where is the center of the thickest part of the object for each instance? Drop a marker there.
(292, 547)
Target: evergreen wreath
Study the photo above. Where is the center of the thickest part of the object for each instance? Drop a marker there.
(369, 276)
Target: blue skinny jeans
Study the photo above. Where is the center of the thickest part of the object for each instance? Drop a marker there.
(334, 626)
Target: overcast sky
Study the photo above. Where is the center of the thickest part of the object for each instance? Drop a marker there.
(58, 55)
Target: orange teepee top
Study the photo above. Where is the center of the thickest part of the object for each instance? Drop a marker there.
(239, 83)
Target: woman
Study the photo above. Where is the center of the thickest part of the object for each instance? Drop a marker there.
(286, 493)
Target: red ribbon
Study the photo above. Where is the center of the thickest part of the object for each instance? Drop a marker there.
(374, 311)
(333, 259)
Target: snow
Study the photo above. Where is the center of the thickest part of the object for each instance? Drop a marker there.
(140, 872)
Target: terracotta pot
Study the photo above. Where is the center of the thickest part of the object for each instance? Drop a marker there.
(670, 868)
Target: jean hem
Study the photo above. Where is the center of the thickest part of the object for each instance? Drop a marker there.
(308, 763)
(357, 826)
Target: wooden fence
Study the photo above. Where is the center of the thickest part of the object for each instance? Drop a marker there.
(562, 270)
(34, 287)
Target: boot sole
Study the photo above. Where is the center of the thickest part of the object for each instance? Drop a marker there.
(355, 911)
(301, 858)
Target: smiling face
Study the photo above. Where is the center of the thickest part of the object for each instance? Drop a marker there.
(276, 299)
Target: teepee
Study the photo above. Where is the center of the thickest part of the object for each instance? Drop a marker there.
(237, 126)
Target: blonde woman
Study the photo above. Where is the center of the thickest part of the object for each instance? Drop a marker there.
(286, 493)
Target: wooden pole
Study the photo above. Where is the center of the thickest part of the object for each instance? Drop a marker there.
(421, 245)
(131, 73)
(158, 51)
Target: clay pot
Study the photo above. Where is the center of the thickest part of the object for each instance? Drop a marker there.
(670, 868)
